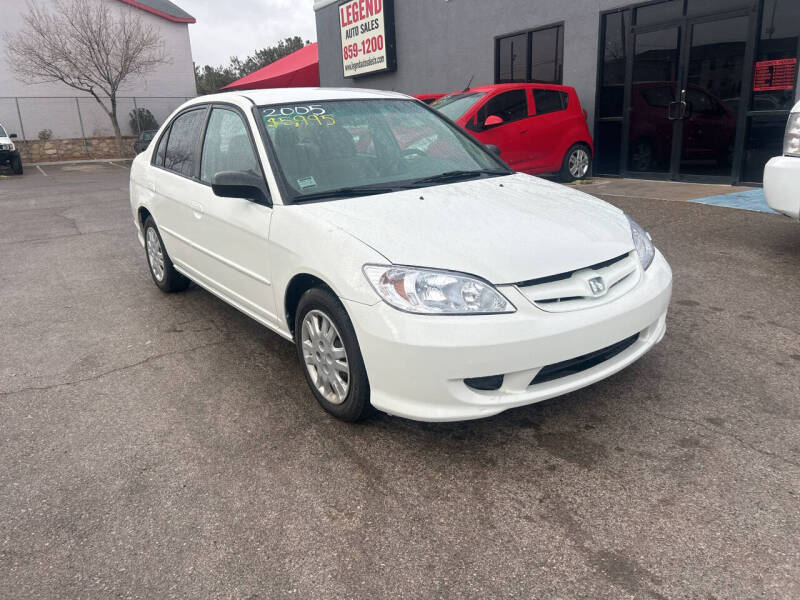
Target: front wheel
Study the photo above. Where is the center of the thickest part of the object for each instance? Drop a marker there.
(16, 165)
(329, 355)
(577, 163)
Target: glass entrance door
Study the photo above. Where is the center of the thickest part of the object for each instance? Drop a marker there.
(710, 96)
(684, 96)
(654, 89)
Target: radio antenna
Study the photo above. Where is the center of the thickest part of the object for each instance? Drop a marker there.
(468, 84)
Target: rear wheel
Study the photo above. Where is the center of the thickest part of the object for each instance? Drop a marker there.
(329, 355)
(16, 165)
(577, 163)
(161, 268)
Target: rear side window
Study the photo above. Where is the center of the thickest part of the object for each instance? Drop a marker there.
(549, 101)
(161, 150)
(509, 106)
(182, 145)
(227, 146)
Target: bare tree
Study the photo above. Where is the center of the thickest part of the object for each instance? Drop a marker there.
(86, 45)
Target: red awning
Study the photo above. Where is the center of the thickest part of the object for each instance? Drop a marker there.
(298, 69)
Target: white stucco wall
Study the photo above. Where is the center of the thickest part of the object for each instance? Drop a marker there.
(53, 106)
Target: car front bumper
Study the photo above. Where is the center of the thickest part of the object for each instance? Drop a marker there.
(782, 185)
(417, 364)
(6, 156)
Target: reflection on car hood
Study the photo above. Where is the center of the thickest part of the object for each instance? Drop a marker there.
(504, 229)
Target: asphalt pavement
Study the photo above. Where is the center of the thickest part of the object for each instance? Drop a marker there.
(166, 446)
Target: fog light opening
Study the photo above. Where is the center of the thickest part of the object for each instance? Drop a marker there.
(485, 384)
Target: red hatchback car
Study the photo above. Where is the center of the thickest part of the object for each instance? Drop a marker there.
(539, 128)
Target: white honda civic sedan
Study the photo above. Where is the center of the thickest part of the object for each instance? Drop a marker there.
(413, 270)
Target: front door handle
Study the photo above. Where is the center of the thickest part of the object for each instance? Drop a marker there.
(197, 209)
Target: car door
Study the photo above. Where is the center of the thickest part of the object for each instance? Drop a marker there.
(232, 234)
(175, 184)
(502, 120)
(550, 127)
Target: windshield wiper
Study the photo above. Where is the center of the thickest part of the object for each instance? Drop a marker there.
(350, 192)
(458, 176)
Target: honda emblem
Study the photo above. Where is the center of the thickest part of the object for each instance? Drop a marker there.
(597, 286)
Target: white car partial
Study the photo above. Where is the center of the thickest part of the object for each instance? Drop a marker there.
(412, 269)
(782, 173)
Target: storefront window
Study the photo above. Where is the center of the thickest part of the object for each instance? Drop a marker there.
(612, 79)
(532, 56)
(697, 8)
(764, 140)
(607, 147)
(775, 71)
(659, 13)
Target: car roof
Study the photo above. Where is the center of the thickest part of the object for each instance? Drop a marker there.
(511, 86)
(284, 95)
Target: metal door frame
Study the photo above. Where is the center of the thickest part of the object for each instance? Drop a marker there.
(685, 27)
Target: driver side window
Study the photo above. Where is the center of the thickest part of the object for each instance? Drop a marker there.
(227, 146)
(509, 106)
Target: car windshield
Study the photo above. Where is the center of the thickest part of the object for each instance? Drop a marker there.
(356, 147)
(2, 132)
(457, 105)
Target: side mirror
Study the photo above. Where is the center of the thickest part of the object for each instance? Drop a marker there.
(241, 184)
(493, 149)
(493, 120)
(13, 136)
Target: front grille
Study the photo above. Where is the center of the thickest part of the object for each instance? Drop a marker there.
(582, 363)
(571, 290)
(568, 274)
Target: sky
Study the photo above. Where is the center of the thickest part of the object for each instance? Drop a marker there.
(228, 28)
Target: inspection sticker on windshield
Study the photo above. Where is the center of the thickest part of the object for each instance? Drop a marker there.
(306, 182)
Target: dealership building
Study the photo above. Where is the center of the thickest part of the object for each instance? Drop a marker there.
(692, 90)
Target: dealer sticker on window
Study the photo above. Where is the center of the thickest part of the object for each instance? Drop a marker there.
(306, 182)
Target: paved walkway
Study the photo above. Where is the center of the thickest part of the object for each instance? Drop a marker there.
(727, 196)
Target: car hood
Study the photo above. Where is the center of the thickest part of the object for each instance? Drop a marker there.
(504, 229)
(5, 140)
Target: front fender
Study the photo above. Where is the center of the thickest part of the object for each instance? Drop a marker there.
(301, 243)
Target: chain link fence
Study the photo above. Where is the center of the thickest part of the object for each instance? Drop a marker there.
(71, 117)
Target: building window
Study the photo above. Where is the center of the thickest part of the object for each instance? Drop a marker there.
(531, 56)
(513, 58)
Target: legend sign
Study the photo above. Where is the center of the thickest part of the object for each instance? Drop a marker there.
(367, 30)
(773, 75)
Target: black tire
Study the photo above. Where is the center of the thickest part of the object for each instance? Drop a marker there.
(567, 173)
(171, 281)
(16, 165)
(356, 402)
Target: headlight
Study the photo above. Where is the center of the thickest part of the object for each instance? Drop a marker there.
(643, 243)
(432, 292)
(791, 139)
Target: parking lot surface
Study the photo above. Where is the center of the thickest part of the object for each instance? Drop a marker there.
(156, 446)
